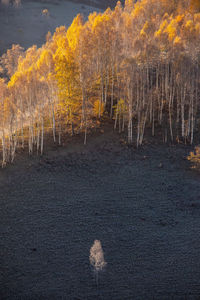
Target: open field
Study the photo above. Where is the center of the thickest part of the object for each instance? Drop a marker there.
(145, 214)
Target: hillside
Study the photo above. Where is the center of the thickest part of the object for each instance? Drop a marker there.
(143, 205)
(26, 25)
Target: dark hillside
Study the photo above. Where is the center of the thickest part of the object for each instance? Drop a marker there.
(143, 205)
(99, 3)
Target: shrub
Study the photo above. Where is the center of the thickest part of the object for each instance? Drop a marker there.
(194, 157)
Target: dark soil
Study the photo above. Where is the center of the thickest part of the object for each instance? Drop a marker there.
(143, 205)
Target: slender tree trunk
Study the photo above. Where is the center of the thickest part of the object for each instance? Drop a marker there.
(42, 136)
(112, 93)
(3, 149)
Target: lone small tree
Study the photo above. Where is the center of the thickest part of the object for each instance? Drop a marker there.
(97, 258)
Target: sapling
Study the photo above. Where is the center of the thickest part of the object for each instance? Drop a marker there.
(97, 258)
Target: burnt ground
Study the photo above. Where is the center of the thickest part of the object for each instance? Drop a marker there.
(142, 204)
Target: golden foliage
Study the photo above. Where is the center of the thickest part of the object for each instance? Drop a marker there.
(105, 58)
(99, 108)
(194, 157)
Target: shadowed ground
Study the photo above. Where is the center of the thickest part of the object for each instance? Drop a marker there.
(27, 25)
(146, 214)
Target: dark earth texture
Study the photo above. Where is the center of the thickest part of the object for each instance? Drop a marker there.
(142, 204)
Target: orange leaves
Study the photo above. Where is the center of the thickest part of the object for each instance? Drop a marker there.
(180, 19)
(101, 21)
(74, 31)
(9, 60)
(195, 5)
(171, 29)
(197, 29)
(162, 29)
(45, 63)
(177, 28)
(168, 27)
(98, 108)
(3, 92)
(13, 79)
(129, 5)
(138, 10)
(197, 18)
(145, 32)
(191, 30)
(189, 25)
(177, 40)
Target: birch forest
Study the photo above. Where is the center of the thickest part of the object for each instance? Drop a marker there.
(138, 64)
